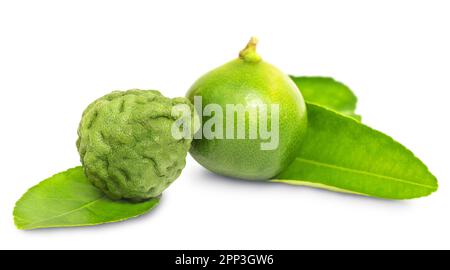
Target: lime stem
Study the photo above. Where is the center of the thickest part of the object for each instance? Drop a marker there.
(248, 54)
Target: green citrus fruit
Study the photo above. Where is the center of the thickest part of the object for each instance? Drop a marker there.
(126, 143)
(250, 82)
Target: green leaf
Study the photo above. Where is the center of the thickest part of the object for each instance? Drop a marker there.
(68, 199)
(344, 155)
(329, 93)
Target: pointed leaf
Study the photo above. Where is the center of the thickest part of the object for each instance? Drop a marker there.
(342, 154)
(329, 93)
(69, 199)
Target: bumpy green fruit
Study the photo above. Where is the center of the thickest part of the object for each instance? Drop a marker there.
(249, 80)
(126, 145)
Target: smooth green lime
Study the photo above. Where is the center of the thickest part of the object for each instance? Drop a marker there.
(249, 81)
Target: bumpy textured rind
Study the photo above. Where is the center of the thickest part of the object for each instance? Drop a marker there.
(126, 145)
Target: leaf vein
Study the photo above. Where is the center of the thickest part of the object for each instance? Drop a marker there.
(67, 213)
(318, 163)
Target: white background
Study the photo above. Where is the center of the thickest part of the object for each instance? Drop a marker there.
(57, 56)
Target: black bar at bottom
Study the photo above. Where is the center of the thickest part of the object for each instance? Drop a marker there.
(221, 259)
